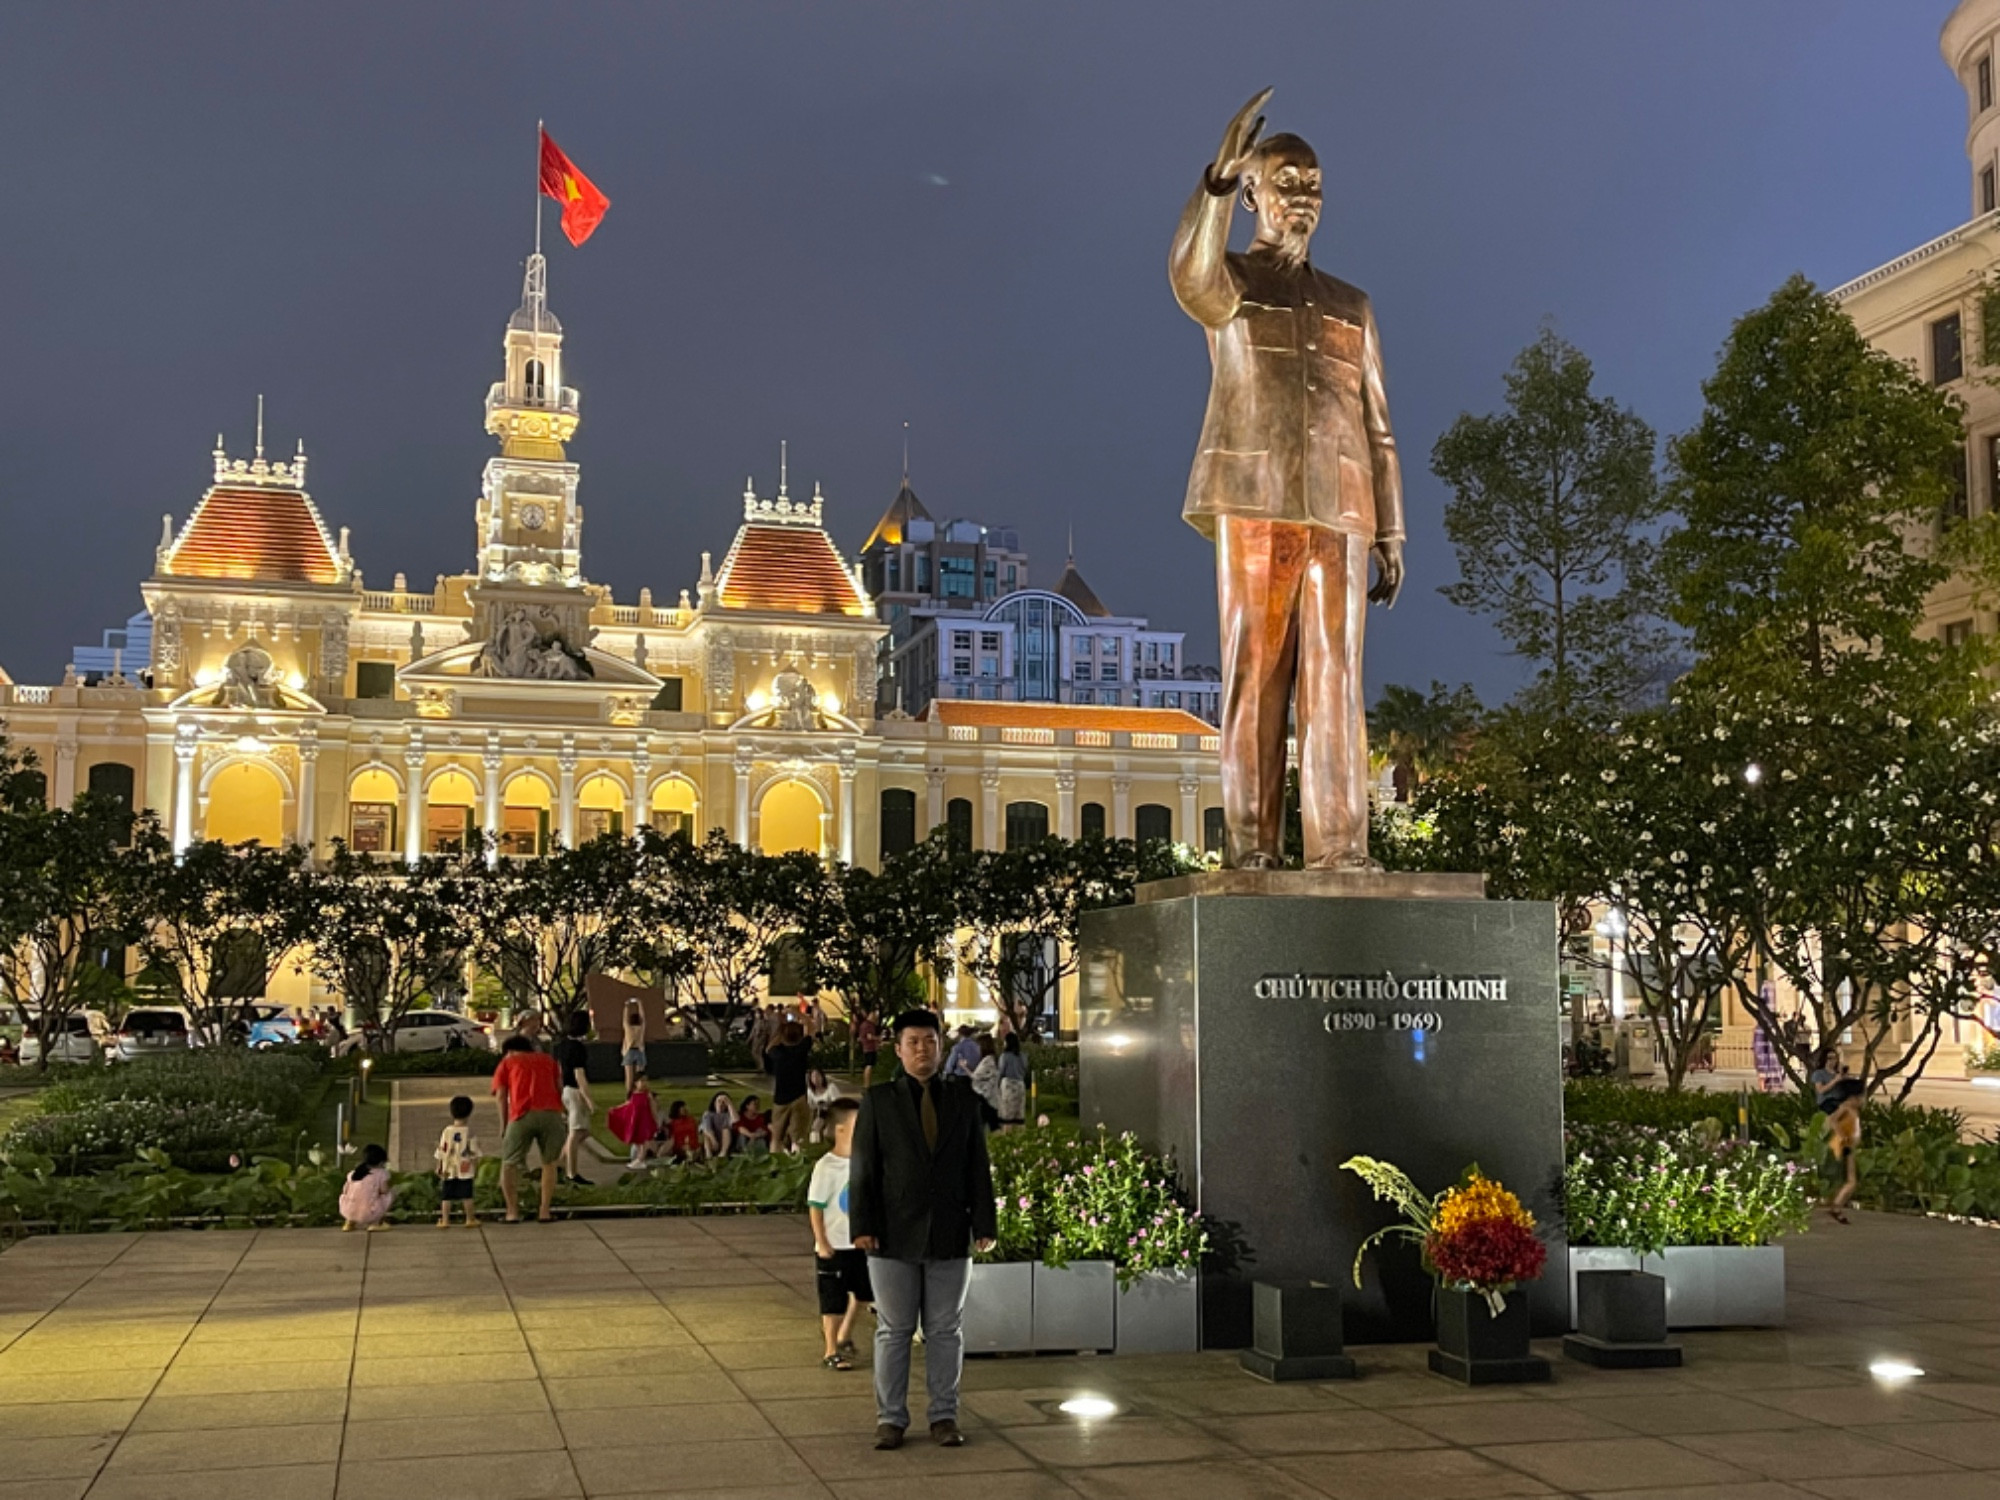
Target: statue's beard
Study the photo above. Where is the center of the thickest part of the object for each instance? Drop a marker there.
(1291, 246)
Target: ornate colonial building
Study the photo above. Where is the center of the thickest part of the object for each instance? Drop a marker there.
(275, 697)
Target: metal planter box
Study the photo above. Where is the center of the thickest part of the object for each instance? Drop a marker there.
(1160, 1313)
(1708, 1286)
(1076, 1307)
(999, 1308)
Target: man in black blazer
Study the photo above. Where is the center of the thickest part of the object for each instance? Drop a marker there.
(920, 1201)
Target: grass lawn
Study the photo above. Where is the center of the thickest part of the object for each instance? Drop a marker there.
(15, 1107)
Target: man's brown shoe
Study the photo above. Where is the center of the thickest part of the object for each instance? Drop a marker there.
(946, 1435)
(888, 1437)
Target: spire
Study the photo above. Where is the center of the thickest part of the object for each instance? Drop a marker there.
(1072, 587)
(906, 454)
(260, 425)
(782, 461)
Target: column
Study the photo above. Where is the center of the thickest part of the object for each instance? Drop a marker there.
(1121, 807)
(1066, 804)
(642, 777)
(566, 792)
(413, 803)
(847, 812)
(64, 791)
(308, 788)
(743, 797)
(184, 748)
(1191, 810)
(933, 797)
(989, 824)
(490, 823)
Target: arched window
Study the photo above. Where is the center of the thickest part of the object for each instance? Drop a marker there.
(899, 821)
(535, 382)
(1153, 823)
(1090, 820)
(1027, 824)
(112, 780)
(958, 821)
(1213, 835)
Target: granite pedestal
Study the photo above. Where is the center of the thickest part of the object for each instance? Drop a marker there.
(1263, 1027)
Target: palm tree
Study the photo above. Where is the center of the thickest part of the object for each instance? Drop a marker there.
(1416, 732)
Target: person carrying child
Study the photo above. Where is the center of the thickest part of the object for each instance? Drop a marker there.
(842, 1270)
(366, 1197)
(457, 1164)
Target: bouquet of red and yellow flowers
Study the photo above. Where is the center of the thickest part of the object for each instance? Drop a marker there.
(1475, 1236)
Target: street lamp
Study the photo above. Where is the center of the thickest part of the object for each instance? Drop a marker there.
(366, 1064)
(1613, 929)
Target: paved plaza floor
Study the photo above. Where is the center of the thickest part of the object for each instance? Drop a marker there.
(653, 1357)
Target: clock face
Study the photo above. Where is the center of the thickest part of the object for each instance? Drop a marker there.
(533, 517)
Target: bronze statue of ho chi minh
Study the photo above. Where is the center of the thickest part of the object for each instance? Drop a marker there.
(1298, 483)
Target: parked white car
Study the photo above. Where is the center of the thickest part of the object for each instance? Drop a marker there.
(148, 1031)
(427, 1031)
(84, 1038)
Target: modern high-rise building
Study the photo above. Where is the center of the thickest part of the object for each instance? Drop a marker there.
(964, 623)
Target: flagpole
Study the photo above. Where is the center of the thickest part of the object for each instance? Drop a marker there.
(539, 128)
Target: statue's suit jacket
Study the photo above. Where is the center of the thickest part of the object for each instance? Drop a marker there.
(1298, 419)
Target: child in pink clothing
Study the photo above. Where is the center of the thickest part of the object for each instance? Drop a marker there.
(366, 1197)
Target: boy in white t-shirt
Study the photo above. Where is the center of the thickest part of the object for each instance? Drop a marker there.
(843, 1270)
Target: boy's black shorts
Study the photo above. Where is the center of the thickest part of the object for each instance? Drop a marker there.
(846, 1272)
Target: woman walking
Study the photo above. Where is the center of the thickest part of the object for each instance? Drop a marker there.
(1013, 1093)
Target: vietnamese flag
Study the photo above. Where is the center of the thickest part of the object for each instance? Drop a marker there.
(582, 204)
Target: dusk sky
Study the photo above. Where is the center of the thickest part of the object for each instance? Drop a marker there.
(828, 219)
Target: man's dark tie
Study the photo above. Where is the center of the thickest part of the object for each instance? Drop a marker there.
(929, 1113)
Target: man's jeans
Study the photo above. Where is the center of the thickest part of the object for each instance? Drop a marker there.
(907, 1291)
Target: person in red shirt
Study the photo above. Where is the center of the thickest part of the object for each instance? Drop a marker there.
(753, 1127)
(683, 1133)
(529, 1088)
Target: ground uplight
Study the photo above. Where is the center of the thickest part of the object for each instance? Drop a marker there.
(1088, 1407)
(1893, 1371)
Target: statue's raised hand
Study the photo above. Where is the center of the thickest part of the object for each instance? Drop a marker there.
(1239, 141)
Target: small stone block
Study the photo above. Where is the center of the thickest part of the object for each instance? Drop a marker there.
(1310, 1367)
(1622, 1307)
(1296, 1319)
(1529, 1371)
(1608, 1356)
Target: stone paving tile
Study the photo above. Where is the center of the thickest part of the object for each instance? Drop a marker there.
(1760, 1489)
(840, 1457)
(172, 1452)
(43, 1489)
(488, 1476)
(1472, 1426)
(722, 1421)
(1610, 1463)
(247, 1411)
(1025, 1485)
(1959, 1486)
(1243, 1478)
(67, 1419)
(55, 1457)
(1433, 1473)
(428, 1437)
(657, 1467)
(1971, 1445)
(1327, 1431)
(1704, 1412)
(1809, 1453)
(1130, 1441)
(290, 1481)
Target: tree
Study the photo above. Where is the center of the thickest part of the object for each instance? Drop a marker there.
(1022, 909)
(66, 892)
(389, 936)
(1809, 493)
(548, 924)
(1419, 733)
(223, 919)
(1553, 507)
(893, 928)
(738, 903)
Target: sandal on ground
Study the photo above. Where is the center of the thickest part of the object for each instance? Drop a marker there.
(1839, 1215)
(838, 1362)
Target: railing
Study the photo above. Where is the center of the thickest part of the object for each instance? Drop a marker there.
(31, 697)
(639, 614)
(965, 731)
(1099, 737)
(391, 602)
(1147, 741)
(1211, 743)
(1027, 736)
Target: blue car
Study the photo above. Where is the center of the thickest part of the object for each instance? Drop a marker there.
(271, 1026)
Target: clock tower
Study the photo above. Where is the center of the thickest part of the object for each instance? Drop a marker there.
(530, 525)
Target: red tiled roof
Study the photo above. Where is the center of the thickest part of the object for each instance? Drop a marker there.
(254, 533)
(972, 713)
(787, 569)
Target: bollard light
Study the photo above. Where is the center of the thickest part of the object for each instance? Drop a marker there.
(1088, 1407)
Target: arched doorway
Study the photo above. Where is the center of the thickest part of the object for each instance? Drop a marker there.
(246, 804)
(788, 818)
(449, 812)
(673, 809)
(600, 809)
(524, 815)
(372, 798)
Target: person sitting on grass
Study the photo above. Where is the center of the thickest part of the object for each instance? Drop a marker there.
(366, 1197)
(841, 1271)
(753, 1127)
(457, 1164)
(718, 1128)
(820, 1094)
(680, 1137)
